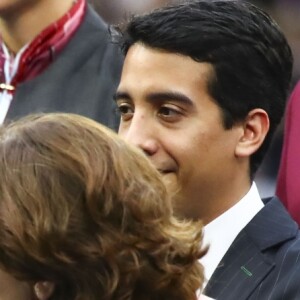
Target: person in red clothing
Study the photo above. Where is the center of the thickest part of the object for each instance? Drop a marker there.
(33, 16)
(56, 55)
(288, 182)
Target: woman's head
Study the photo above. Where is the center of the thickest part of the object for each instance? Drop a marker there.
(85, 213)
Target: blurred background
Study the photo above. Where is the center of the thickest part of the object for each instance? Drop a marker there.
(285, 12)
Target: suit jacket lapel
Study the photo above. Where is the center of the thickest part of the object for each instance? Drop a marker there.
(248, 261)
(239, 272)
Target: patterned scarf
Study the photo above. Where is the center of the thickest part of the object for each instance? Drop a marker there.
(39, 53)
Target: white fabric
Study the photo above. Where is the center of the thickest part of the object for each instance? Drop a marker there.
(221, 232)
(203, 297)
(5, 100)
(10, 69)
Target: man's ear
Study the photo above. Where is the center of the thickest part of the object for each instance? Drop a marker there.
(255, 129)
(43, 289)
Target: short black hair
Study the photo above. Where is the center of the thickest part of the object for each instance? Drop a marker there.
(250, 55)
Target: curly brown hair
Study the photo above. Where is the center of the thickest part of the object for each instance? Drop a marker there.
(81, 208)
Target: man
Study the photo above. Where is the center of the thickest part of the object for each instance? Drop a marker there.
(53, 53)
(203, 88)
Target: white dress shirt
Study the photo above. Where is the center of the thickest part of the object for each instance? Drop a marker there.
(222, 231)
(10, 69)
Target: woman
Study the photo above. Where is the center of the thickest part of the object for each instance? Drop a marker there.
(85, 216)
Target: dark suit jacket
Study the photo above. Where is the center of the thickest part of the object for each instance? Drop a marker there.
(263, 263)
(82, 79)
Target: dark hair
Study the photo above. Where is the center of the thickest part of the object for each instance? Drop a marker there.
(252, 61)
(81, 208)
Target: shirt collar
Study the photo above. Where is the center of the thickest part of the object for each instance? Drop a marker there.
(222, 231)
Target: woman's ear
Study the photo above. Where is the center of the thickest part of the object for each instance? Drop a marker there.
(43, 289)
(255, 129)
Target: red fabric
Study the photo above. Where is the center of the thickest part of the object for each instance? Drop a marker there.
(45, 47)
(288, 182)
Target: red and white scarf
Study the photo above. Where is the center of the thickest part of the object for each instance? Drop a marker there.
(41, 51)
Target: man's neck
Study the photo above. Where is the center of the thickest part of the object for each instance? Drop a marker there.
(221, 197)
(21, 26)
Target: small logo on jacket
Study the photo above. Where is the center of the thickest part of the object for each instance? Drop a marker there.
(246, 271)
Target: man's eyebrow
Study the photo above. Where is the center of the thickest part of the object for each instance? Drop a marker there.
(121, 95)
(157, 97)
(169, 96)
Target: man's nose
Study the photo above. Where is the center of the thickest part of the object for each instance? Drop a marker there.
(141, 133)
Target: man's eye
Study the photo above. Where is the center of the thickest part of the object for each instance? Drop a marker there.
(126, 111)
(168, 112)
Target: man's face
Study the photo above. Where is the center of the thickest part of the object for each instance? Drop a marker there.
(167, 112)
